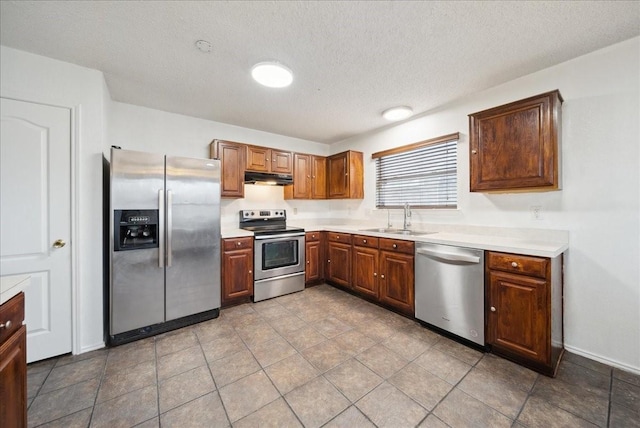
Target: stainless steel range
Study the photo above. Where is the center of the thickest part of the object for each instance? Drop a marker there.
(278, 253)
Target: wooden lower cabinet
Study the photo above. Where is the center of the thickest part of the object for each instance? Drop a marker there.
(524, 309)
(314, 258)
(365, 271)
(397, 281)
(383, 270)
(237, 270)
(338, 267)
(13, 363)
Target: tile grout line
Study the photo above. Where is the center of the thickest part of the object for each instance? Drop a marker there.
(610, 398)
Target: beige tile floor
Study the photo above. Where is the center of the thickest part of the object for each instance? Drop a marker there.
(320, 357)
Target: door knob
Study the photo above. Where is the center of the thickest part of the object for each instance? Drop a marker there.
(59, 243)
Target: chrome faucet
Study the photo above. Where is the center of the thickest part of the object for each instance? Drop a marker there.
(407, 214)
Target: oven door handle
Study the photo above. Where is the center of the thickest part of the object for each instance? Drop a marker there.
(279, 236)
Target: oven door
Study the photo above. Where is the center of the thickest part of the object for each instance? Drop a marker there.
(277, 255)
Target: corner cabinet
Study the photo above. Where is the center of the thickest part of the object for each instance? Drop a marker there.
(345, 179)
(524, 309)
(13, 363)
(237, 270)
(232, 160)
(516, 147)
(309, 178)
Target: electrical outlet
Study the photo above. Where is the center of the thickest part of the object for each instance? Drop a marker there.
(536, 212)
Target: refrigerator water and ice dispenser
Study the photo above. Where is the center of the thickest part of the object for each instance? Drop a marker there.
(135, 229)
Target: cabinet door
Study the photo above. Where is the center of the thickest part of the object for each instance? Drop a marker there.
(318, 177)
(301, 176)
(518, 316)
(397, 281)
(339, 263)
(365, 271)
(515, 146)
(13, 379)
(258, 159)
(337, 176)
(237, 274)
(281, 162)
(231, 157)
(313, 253)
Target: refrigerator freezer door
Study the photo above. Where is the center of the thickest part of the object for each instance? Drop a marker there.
(193, 236)
(137, 280)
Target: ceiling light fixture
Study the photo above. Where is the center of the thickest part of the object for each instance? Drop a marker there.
(272, 74)
(397, 113)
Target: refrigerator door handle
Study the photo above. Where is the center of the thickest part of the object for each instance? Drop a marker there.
(161, 228)
(169, 226)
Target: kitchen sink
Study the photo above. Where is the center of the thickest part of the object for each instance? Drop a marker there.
(397, 231)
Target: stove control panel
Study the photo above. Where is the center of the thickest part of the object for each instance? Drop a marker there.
(263, 214)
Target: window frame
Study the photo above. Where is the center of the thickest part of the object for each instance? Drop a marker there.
(414, 147)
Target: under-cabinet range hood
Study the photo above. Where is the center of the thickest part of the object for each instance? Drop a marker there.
(268, 178)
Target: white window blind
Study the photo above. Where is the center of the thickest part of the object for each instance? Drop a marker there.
(424, 177)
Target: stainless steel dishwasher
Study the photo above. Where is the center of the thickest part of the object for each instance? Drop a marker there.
(450, 289)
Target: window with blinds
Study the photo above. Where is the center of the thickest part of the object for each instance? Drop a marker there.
(422, 174)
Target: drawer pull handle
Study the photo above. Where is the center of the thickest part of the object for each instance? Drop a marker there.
(6, 325)
(514, 264)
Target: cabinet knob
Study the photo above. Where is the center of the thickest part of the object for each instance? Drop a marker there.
(493, 309)
(267, 159)
(364, 241)
(6, 325)
(375, 274)
(395, 246)
(250, 271)
(308, 262)
(337, 236)
(314, 176)
(313, 236)
(514, 264)
(308, 176)
(382, 276)
(238, 243)
(328, 261)
(475, 152)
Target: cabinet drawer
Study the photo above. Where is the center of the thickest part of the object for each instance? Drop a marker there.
(516, 263)
(365, 241)
(312, 236)
(339, 237)
(11, 313)
(398, 245)
(231, 244)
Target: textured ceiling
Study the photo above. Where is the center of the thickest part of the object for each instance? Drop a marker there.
(351, 60)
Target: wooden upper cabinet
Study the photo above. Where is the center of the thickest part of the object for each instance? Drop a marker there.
(318, 177)
(309, 177)
(232, 160)
(264, 159)
(345, 178)
(516, 147)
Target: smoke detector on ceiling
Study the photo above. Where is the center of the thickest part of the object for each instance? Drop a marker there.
(204, 46)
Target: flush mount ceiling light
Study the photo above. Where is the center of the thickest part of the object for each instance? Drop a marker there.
(272, 74)
(397, 113)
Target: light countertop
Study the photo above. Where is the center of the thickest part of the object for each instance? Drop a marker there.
(12, 285)
(527, 246)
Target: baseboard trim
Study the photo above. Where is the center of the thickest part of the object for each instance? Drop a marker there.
(600, 359)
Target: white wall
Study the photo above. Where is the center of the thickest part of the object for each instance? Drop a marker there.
(139, 128)
(42, 80)
(599, 202)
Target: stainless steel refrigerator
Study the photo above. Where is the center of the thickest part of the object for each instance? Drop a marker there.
(164, 243)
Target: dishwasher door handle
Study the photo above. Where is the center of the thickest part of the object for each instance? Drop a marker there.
(448, 256)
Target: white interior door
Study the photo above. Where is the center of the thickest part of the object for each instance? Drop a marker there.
(35, 212)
